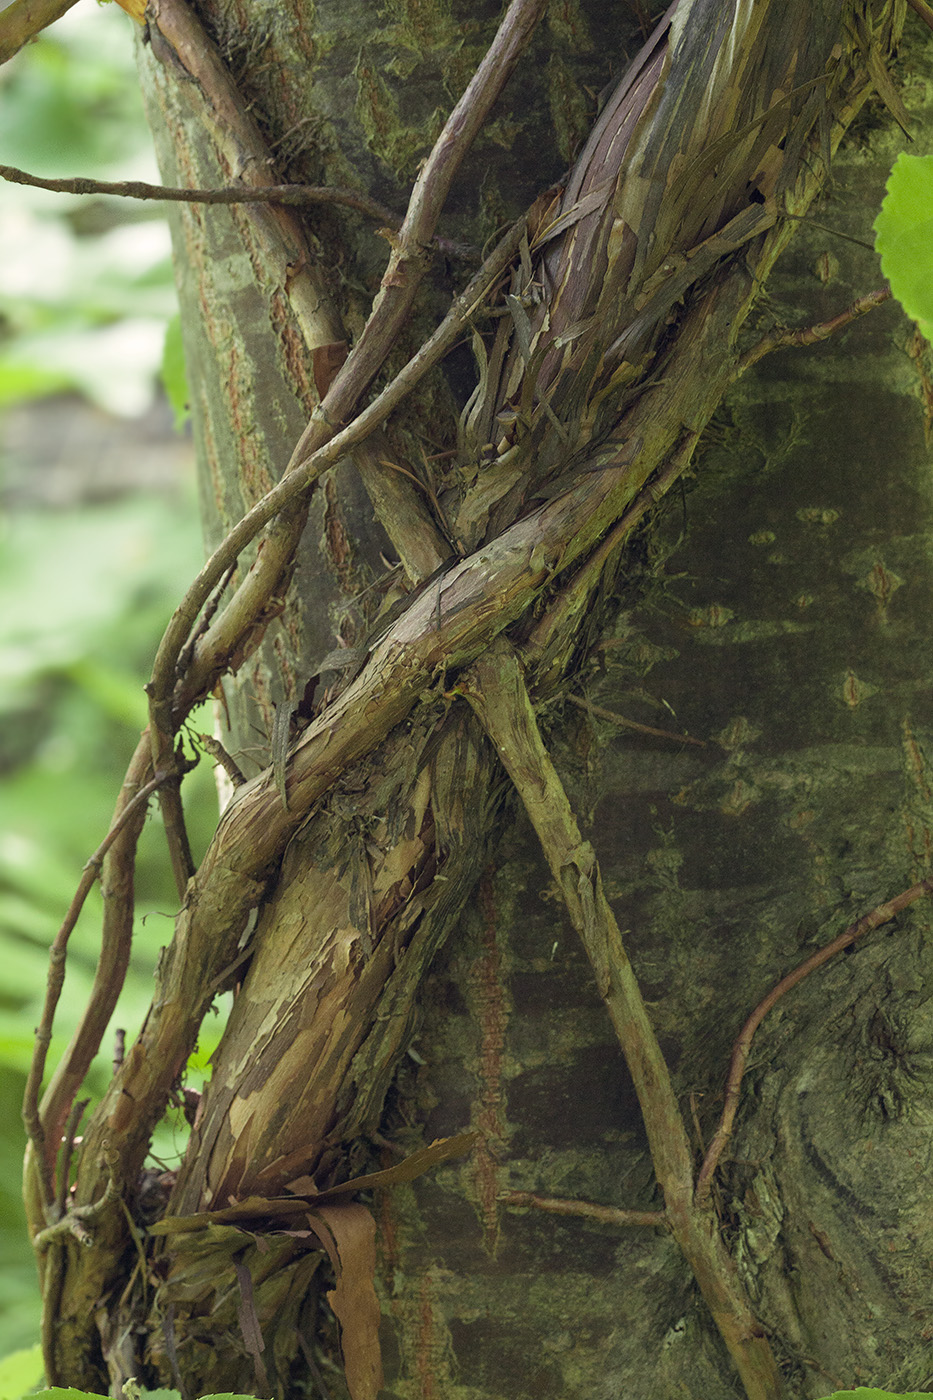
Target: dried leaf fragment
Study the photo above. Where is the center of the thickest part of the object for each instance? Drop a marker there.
(354, 1300)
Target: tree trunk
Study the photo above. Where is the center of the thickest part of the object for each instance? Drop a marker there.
(374, 894)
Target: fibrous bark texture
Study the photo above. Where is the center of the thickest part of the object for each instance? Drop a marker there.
(369, 894)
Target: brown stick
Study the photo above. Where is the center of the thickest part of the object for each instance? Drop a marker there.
(589, 1210)
(298, 196)
(783, 336)
(602, 713)
(22, 20)
(881, 914)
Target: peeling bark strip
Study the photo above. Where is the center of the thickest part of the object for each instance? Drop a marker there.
(614, 343)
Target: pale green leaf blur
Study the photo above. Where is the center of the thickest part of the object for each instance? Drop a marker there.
(904, 236)
(98, 538)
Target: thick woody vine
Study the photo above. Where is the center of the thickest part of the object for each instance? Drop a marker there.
(612, 351)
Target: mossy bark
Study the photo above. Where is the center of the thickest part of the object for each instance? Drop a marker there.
(779, 613)
(776, 608)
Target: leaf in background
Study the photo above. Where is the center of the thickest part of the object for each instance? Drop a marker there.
(174, 378)
(111, 365)
(118, 693)
(867, 1393)
(904, 238)
(86, 284)
(56, 1392)
(21, 382)
(77, 104)
(20, 1371)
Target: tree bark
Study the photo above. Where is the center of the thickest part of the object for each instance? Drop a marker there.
(337, 892)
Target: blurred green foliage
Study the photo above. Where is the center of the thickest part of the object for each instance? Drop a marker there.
(86, 284)
(85, 299)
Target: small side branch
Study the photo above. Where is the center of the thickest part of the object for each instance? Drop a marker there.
(226, 760)
(882, 914)
(23, 20)
(588, 1210)
(601, 713)
(782, 337)
(299, 196)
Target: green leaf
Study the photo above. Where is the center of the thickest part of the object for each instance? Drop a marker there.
(56, 1392)
(19, 1372)
(904, 240)
(174, 377)
(21, 382)
(867, 1393)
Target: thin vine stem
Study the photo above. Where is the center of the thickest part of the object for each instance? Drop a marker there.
(56, 978)
(881, 914)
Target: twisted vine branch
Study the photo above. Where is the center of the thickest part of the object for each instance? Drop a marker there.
(637, 362)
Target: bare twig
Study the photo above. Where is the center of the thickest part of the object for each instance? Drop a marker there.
(881, 914)
(34, 1127)
(782, 336)
(297, 196)
(176, 834)
(226, 760)
(173, 821)
(624, 723)
(75, 1221)
(589, 1210)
